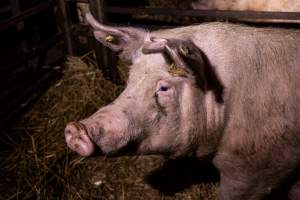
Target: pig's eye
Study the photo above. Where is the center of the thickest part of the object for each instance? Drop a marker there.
(164, 88)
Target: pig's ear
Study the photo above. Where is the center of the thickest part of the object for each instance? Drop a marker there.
(185, 53)
(155, 45)
(124, 41)
(188, 59)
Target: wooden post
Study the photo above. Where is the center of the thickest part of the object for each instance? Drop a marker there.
(66, 26)
(106, 59)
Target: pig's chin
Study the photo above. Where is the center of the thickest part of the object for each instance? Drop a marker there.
(125, 146)
(135, 147)
(122, 147)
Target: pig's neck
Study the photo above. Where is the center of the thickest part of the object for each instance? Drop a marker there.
(214, 125)
(214, 112)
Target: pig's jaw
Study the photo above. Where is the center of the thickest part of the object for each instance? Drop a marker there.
(111, 146)
(113, 137)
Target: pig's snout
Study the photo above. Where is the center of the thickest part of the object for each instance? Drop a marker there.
(78, 140)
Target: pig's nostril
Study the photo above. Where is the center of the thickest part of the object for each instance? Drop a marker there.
(69, 131)
(78, 140)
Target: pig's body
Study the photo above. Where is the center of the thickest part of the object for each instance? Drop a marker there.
(258, 121)
(252, 5)
(242, 107)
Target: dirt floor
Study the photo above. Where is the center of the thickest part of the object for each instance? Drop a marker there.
(36, 163)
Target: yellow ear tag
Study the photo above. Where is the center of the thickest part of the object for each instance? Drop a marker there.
(109, 38)
(176, 71)
(184, 50)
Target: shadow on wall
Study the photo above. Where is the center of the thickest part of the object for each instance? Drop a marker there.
(177, 175)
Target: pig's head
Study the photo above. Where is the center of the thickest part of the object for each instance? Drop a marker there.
(161, 110)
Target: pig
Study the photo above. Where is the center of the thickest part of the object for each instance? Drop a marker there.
(227, 91)
(250, 5)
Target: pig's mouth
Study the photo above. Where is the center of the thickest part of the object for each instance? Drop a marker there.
(79, 140)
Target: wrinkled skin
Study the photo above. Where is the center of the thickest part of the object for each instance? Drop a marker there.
(236, 98)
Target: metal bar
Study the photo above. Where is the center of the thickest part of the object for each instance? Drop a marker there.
(205, 13)
(24, 15)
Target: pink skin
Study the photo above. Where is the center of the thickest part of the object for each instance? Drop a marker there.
(104, 129)
(78, 140)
